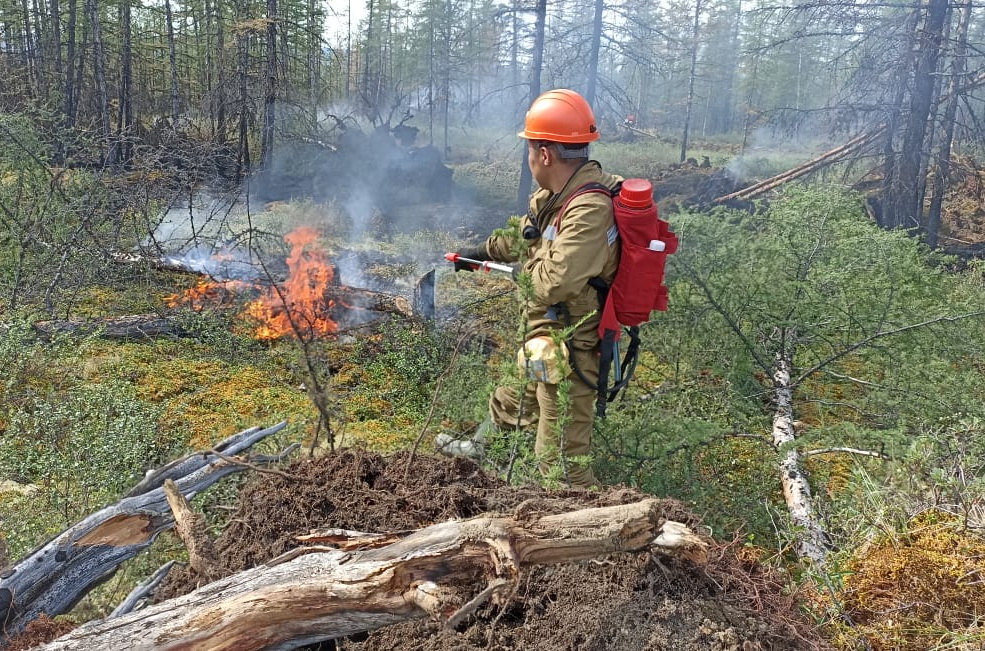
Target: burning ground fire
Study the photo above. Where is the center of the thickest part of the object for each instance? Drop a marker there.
(300, 302)
(298, 306)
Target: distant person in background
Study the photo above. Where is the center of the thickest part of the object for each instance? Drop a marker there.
(571, 246)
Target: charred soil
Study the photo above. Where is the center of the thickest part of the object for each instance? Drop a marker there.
(629, 601)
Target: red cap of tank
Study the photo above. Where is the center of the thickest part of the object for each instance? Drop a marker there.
(636, 193)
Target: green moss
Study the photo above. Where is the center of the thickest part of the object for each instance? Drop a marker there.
(919, 588)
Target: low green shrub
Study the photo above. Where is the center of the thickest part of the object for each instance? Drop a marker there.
(76, 452)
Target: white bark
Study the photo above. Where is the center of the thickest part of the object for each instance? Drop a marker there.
(796, 488)
(445, 571)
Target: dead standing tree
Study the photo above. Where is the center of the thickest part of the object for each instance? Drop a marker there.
(906, 135)
(53, 577)
(311, 594)
(904, 188)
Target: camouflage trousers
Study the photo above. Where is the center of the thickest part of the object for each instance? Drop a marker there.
(539, 404)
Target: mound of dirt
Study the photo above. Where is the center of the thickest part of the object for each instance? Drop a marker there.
(628, 601)
(684, 186)
(963, 211)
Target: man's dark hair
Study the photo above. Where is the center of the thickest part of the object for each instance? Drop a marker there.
(568, 151)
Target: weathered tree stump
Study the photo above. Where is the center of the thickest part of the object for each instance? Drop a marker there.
(53, 577)
(446, 571)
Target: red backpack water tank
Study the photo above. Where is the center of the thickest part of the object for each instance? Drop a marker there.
(646, 241)
(638, 288)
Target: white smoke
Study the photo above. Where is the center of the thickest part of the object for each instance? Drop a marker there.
(206, 232)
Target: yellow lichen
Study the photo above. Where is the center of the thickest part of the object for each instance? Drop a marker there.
(211, 400)
(920, 588)
(383, 435)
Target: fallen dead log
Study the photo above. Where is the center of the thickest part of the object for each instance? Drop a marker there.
(53, 577)
(348, 303)
(319, 593)
(213, 262)
(833, 155)
(218, 271)
(644, 133)
(366, 299)
(827, 158)
(143, 590)
(161, 263)
(134, 327)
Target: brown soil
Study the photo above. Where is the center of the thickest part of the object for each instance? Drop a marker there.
(41, 631)
(963, 211)
(630, 601)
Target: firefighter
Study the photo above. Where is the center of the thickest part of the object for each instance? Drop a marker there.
(567, 245)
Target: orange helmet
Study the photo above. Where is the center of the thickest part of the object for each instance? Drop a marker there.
(560, 116)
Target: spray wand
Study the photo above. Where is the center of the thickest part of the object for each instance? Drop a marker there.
(485, 265)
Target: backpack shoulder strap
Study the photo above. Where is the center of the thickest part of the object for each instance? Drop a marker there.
(600, 286)
(588, 188)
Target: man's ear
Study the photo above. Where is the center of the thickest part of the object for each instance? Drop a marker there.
(546, 154)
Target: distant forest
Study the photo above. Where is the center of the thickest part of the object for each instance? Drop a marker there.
(110, 77)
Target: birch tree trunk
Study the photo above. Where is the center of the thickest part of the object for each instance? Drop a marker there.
(319, 593)
(796, 487)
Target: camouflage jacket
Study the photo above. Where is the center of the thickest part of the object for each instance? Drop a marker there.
(572, 249)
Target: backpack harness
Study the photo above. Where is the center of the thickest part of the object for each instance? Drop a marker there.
(636, 290)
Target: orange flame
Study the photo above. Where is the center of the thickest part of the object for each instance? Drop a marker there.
(205, 293)
(301, 298)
